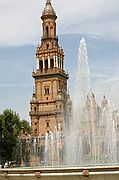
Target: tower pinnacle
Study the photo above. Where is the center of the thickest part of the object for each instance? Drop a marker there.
(48, 10)
(48, 1)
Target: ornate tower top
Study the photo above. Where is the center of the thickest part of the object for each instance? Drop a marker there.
(49, 55)
(48, 1)
(48, 10)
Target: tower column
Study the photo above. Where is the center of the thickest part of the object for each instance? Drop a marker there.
(56, 61)
(37, 63)
(48, 62)
(43, 63)
(61, 62)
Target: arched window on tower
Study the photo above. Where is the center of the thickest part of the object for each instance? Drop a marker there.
(51, 63)
(47, 46)
(46, 64)
(51, 30)
(47, 31)
(41, 65)
(35, 109)
(47, 124)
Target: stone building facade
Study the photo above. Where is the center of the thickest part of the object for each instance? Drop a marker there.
(50, 104)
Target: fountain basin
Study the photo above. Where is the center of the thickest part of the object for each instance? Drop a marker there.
(61, 173)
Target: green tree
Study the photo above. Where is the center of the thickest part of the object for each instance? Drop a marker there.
(10, 128)
(25, 124)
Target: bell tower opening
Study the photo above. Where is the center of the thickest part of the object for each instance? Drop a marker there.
(46, 64)
(41, 66)
(51, 63)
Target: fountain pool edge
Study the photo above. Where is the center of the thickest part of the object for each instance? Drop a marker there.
(61, 173)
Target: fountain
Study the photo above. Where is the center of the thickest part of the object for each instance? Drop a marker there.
(88, 148)
(93, 129)
(91, 138)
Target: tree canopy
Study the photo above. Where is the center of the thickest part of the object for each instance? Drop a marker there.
(10, 128)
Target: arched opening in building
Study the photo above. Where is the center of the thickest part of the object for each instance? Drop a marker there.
(41, 65)
(35, 109)
(47, 31)
(46, 64)
(48, 124)
(51, 63)
(47, 91)
(51, 30)
(47, 46)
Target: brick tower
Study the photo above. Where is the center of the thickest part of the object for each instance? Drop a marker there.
(50, 104)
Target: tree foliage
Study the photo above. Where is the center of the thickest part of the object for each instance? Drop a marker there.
(10, 128)
(25, 124)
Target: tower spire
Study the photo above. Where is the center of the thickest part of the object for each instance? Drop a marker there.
(48, 10)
